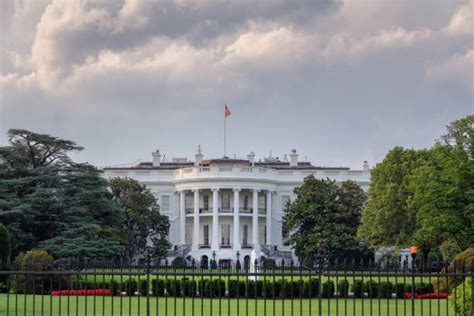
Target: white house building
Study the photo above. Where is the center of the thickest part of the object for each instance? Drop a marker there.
(228, 208)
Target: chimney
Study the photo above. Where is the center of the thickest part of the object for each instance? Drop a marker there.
(293, 158)
(251, 157)
(366, 165)
(156, 158)
(198, 156)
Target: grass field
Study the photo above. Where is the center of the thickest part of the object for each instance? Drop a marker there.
(48, 305)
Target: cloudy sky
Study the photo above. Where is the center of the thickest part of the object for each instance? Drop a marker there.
(341, 82)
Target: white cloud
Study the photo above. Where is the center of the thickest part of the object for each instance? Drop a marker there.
(458, 69)
(462, 22)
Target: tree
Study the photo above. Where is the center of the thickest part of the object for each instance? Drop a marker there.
(143, 224)
(443, 189)
(387, 219)
(424, 197)
(50, 202)
(5, 244)
(323, 220)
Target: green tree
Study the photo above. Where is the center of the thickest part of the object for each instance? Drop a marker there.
(5, 244)
(443, 189)
(323, 220)
(50, 202)
(387, 219)
(143, 224)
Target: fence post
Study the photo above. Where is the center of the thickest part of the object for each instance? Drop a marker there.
(413, 289)
(148, 259)
(472, 286)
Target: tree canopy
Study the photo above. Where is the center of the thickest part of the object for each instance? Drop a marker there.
(425, 197)
(323, 221)
(144, 226)
(50, 202)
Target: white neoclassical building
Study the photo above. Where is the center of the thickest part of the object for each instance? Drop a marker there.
(228, 208)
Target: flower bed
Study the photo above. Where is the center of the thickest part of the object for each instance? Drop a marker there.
(428, 295)
(81, 292)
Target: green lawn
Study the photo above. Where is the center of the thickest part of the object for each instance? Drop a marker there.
(34, 305)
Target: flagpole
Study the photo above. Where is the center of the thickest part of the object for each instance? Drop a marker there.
(225, 133)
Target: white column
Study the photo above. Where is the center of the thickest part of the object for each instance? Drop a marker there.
(269, 218)
(255, 237)
(182, 217)
(196, 232)
(236, 220)
(215, 219)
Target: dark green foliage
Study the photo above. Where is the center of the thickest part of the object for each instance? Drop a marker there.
(312, 288)
(158, 287)
(130, 287)
(385, 290)
(144, 287)
(173, 287)
(328, 289)
(421, 288)
(400, 290)
(3, 288)
(250, 289)
(372, 289)
(358, 288)
(324, 219)
(189, 287)
(269, 263)
(5, 244)
(49, 202)
(179, 263)
(343, 288)
(268, 289)
(37, 260)
(143, 222)
(213, 264)
(212, 288)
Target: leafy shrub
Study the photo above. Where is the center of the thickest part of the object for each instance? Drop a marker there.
(173, 287)
(269, 289)
(5, 244)
(3, 288)
(37, 260)
(372, 288)
(400, 290)
(144, 287)
(158, 287)
(385, 290)
(358, 288)
(312, 288)
(462, 261)
(250, 289)
(328, 289)
(421, 288)
(461, 298)
(233, 288)
(179, 263)
(343, 288)
(189, 287)
(130, 287)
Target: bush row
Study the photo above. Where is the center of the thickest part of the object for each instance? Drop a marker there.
(260, 289)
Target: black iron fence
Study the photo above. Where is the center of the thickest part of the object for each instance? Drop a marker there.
(155, 290)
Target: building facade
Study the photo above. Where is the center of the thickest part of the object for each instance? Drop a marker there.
(229, 208)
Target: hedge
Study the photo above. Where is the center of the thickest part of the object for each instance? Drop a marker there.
(358, 288)
(343, 288)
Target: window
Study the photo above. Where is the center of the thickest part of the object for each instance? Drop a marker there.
(261, 202)
(225, 234)
(285, 199)
(225, 201)
(285, 234)
(188, 202)
(206, 235)
(246, 202)
(165, 204)
(206, 202)
(245, 240)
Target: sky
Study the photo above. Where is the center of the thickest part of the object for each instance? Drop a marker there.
(339, 81)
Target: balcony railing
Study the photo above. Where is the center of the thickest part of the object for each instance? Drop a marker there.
(246, 210)
(247, 246)
(225, 246)
(205, 210)
(204, 246)
(226, 210)
(189, 211)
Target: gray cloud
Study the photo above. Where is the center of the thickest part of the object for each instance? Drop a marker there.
(342, 82)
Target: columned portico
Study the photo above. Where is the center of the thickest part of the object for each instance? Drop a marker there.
(269, 218)
(236, 219)
(196, 236)
(255, 230)
(215, 219)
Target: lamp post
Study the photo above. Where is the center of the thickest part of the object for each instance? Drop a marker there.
(413, 266)
(413, 251)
